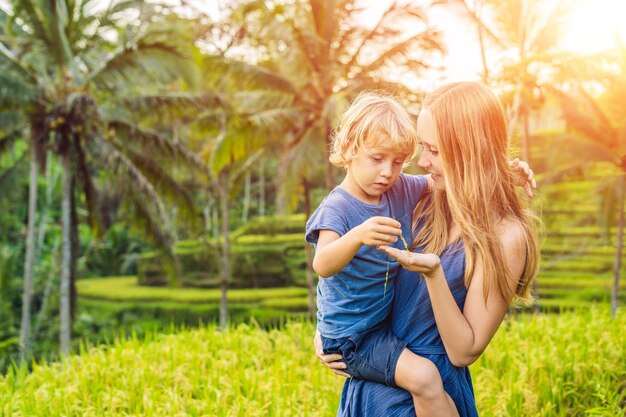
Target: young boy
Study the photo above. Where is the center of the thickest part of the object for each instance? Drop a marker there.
(371, 207)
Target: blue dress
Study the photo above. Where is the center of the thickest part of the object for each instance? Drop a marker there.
(413, 321)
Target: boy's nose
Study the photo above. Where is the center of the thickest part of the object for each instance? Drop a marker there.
(386, 171)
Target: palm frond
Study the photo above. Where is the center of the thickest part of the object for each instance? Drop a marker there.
(151, 141)
(424, 41)
(309, 159)
(275, 120)
(546, 35)
(10, 119)
(10, 62)
(83, 176)
(387, 27)
(7, 176)
(579, 114)
(10, 139)
(133, 179)
(311, 46)
(154, 56)
(15, 92)
(598, 113)
(248, 75)
(171, 105)
(271, 111)
(232, 146)
(480, 23)
(569, 149)
(163, 183)
(34, 16)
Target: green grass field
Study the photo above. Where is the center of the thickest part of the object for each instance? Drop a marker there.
(549, 365)
(127, 289)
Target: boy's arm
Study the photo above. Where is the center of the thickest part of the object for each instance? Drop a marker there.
(431, 183)
(334, 252)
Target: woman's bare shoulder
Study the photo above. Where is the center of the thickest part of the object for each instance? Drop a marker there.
(514, 249)
(511, 234)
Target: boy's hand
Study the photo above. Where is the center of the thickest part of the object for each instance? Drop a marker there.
(523, 176)
(378, 230)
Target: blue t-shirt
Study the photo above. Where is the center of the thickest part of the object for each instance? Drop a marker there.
(355, 299)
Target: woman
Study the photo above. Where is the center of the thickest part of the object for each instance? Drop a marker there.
(474, 247)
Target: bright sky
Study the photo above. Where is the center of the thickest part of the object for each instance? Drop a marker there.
(594, 26)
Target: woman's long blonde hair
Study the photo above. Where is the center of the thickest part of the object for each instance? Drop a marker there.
(479, 191)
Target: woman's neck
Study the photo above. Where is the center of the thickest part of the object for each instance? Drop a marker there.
(454, 231)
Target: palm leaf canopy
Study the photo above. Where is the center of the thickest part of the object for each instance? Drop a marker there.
(62, 58)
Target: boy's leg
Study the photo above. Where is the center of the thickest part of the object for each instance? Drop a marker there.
(421, 378)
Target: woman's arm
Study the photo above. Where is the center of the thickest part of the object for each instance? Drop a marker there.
(333, 360)
(467, 333)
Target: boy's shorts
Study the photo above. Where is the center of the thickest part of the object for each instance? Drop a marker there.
(371, 355)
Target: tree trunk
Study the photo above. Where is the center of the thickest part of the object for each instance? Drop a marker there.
(216, 222)
(526, 151)
(64, 296)
(309, 273)
(481, 42)
(246, 198)
(526, 137)
(74, 254)
(330, 178)
(224, 194)
(515, 109)
(281, 198)
(29, 260)
(51, 183)
(620, 245)
(45, 299)
(261, 188)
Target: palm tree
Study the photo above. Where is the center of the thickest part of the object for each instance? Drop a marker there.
(311, 59)
(234, 143)
(528, 34)
(316, 55)
(17, 94)
(601, 127)
(72, 79)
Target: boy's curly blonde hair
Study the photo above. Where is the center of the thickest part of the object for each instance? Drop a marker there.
(371, 119)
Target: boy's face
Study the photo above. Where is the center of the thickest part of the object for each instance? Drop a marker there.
(429, 157)
(374, 170)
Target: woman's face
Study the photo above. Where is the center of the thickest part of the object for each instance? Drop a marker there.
(429, 158)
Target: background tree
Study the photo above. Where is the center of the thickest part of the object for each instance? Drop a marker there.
(71, 75)
(600, 124)
(526, 33)
(311, 60)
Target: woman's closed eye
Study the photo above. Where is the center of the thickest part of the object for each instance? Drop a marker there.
(425, 146)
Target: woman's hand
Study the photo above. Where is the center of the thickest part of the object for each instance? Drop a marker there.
(523, 176)
(426, 263)
(332, 361)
